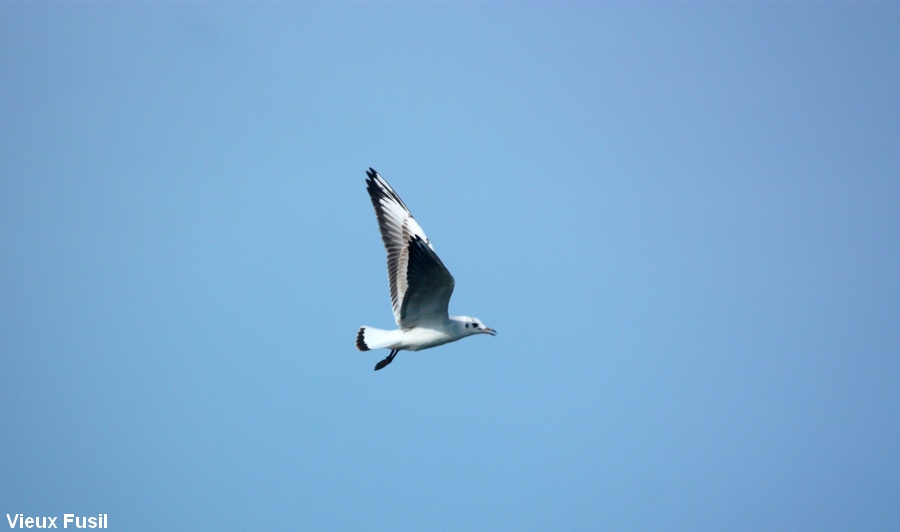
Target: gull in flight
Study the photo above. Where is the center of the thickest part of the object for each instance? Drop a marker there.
(420, 284)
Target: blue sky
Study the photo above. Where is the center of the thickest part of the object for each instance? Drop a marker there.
(681, 218)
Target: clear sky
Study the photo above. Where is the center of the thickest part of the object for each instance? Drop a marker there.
(681, 218)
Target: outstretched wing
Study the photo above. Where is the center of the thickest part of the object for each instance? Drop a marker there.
(420, 284)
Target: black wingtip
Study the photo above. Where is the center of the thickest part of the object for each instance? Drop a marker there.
(372, 179)
(379, 189)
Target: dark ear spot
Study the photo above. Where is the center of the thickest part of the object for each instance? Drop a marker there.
(467, 326)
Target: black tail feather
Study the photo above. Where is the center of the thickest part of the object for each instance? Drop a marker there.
(361, 340)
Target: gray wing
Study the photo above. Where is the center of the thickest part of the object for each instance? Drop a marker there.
(429, 286)
(419, 294)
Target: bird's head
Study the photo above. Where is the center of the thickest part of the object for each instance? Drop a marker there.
(474, 326)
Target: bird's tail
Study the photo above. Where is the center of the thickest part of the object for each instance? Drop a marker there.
(372, 338)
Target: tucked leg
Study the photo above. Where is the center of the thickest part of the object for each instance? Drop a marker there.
(386, 361)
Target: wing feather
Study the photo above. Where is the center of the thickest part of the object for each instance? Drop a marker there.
(429, 286)
(399, 230)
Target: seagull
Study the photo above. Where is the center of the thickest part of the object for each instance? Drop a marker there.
(420, 284)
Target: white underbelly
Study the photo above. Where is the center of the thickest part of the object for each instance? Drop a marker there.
(419, 338)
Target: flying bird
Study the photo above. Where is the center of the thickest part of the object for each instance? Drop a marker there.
(420, 284)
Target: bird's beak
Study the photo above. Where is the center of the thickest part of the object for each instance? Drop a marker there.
(488, 330)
